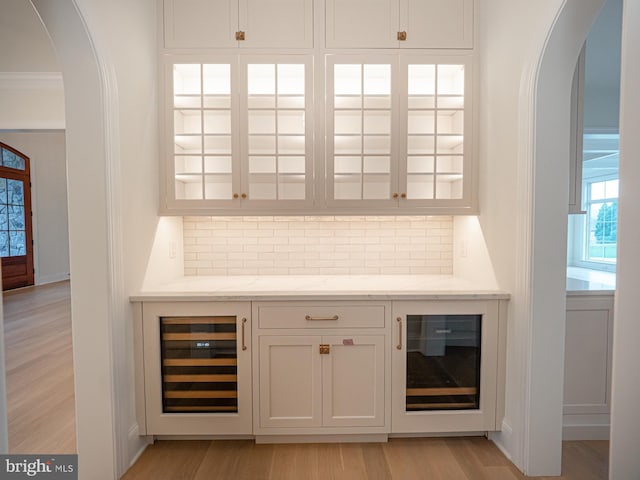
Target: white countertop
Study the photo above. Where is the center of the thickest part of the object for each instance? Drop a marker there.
(583, 281)
(318, 287)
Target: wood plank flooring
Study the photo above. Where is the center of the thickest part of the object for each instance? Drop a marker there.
(458, 458)
(39, 369)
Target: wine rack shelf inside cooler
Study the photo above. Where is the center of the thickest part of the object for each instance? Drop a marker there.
(199, 364)
(443, 362)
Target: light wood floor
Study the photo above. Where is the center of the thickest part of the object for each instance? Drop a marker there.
(41, 415)
(462, 458)
(39, 365)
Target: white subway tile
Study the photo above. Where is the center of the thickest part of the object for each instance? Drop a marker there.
(347, 244)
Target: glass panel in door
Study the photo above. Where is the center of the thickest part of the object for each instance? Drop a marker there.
(443, 362)
(202, 131)
(277, 124)
(362, 132)
(435, 131)
(199, 364)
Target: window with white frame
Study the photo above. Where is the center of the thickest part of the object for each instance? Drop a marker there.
(593, 235)
(601, 204)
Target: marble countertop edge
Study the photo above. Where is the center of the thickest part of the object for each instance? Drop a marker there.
(312, 287)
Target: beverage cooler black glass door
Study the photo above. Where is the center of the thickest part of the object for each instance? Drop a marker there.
(199, 364)
(443, 362)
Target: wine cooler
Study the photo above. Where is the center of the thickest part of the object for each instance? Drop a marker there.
(447, 366)
(443, 362)
(199, 364)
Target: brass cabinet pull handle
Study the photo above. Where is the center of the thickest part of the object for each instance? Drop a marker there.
(240, 35)
(244, 347)
(402, 36)
(399, 320)
(309, 317)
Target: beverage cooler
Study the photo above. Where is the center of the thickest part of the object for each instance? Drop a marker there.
(443, 362)
(197, 368)
(199, 364)
(445, 366)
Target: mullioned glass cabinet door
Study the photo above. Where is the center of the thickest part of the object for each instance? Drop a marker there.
(239, 133)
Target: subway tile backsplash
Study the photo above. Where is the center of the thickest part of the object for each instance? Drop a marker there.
(326, 245)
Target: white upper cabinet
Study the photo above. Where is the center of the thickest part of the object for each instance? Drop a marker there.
(399, 23)
(399, 132)
(393, 131)
(239, 133)
(238, 23)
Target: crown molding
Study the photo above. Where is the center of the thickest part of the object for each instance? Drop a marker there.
(31, 81)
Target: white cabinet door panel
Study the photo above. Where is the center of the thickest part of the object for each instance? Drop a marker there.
(290, 381)
(353, 381)
(200, 23)
(437, 23)
(587, 366)
(276, 23)
(362, 23)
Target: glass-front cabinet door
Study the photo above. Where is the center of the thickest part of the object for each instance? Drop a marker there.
(239, 132)
(399, 132)
(436, 119)
(361, 124)
(276, 145)
(445, 366)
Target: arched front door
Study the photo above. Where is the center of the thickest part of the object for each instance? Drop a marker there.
(16, 245)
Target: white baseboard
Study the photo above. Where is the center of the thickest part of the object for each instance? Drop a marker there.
(585, 432)
(504, 440)
(52, 278)
(339, 438)
(586, 426)
(136, 444)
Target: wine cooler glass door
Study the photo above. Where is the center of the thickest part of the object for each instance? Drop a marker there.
(443, 362)
(199, 364)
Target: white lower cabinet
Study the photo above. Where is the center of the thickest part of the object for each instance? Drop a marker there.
(196, 366)
(320, 368)
(447, 366)
(324, 376)
(587, 367)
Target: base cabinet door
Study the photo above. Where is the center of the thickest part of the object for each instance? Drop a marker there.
(197, 368)
(353, 381)
(314, 382)
(290, 381)
(445, 366)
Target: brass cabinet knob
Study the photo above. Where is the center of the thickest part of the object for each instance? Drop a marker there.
(395, 195)
(244, 195)
(404, 195)
(402, 36)
(235, 195)
(240, 35)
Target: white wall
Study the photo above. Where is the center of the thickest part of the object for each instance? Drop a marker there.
(31, 100)
(527, 50)
(110, 84)
(506, 58)
(625, 422)
(47, 153)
